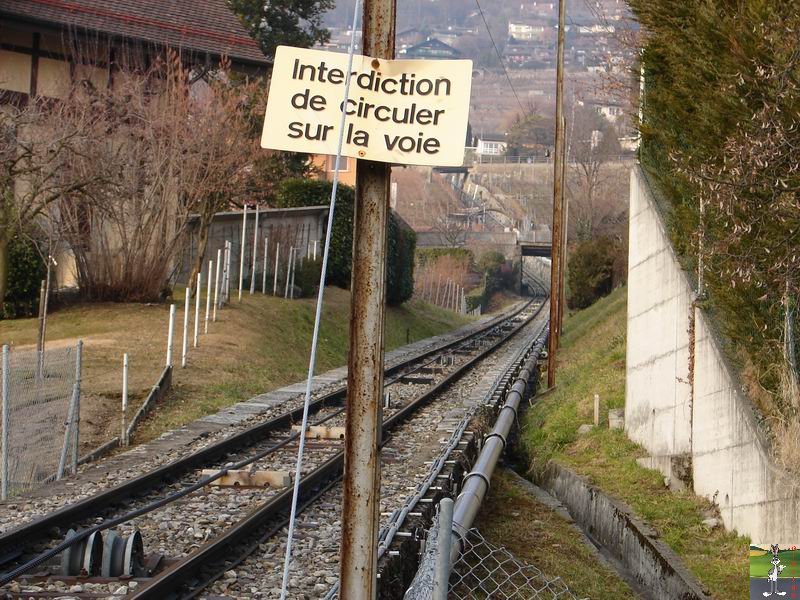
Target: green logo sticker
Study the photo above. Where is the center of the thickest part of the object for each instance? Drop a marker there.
(774, 571)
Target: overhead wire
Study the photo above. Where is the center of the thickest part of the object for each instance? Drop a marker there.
(318, 316)
(500, 57)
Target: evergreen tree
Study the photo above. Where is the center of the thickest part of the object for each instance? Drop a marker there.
(284, 22)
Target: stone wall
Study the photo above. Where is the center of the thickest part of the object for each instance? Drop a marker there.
(684, 403)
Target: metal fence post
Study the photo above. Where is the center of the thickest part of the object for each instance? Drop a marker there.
(241, 257)
(170, 334)
(441, 575)
(294, 270)
(208, 293)
(216, 283)
(266, 262)
(255, 256)
(197, 306)
(62, 461)
(40, 337)
(288, 272)
(6, 400)
(275, 282)
(124, 436)
(224, 279)
(76, 413)
(228, 273)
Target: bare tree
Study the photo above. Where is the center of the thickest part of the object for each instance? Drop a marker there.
(169, 149)
(39, 140)
(592, 146)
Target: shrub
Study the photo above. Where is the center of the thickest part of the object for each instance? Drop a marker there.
(293, 193)
(306, 277)
(25, 273)
(591, 271)
(401, 242)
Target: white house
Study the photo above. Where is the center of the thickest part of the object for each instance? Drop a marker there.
(491, 145)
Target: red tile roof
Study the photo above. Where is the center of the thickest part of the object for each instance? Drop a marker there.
(198, 25)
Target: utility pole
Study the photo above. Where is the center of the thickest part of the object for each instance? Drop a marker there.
(564, 229)
(361, 504)
(559, 235)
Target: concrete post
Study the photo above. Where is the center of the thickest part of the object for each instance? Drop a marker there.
(5, 422)
(597, 410)
(170, 334)
(185, 340)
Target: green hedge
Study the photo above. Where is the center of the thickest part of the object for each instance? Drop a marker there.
(401, 242)
(712, 71)
(25, 273)
(591, 271)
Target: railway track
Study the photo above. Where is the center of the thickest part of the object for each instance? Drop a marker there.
(169, 524)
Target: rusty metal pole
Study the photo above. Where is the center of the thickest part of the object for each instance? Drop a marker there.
(558, 184)
(361, 503)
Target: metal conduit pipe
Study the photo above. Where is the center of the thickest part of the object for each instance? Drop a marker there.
(476, 482)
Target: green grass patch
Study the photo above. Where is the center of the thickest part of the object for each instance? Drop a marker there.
(513, 518)
(258, 345)
(275, 352)
(592, 360)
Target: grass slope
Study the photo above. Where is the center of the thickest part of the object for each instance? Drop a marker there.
(592, 360)
(511, 517)
(257, 345)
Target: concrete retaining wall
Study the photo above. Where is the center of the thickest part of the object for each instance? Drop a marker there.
(633, 543)
(684, 403)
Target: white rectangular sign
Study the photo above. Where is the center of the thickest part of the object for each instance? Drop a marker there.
(401, 111)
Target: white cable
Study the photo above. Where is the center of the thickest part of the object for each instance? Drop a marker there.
(318, 318)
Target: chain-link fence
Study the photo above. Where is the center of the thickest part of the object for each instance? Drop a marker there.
(488, 571)
(481, 571)
(40, 415)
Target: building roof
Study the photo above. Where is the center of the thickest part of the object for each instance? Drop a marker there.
(431, 48)
(203, 26)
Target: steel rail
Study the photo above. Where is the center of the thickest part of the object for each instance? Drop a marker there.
(398, 516)
(14, 542)
(273, 513)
